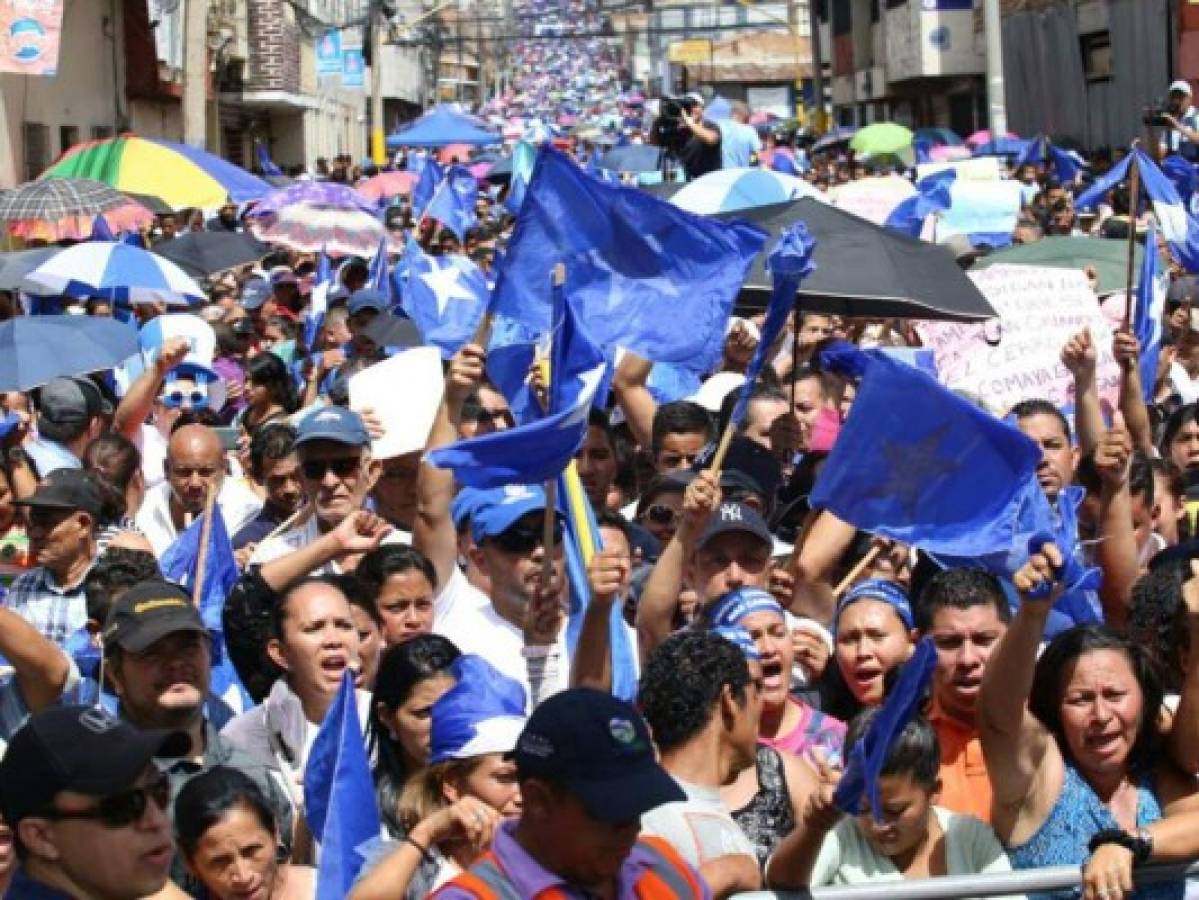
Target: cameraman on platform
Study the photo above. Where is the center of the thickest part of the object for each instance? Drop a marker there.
(1182, 123)
(683, 132)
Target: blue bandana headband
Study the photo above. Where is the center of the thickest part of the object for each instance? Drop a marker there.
(884, 591)
(733, 607)
(740, 638)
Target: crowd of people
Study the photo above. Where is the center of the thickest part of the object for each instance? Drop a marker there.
(808, 704)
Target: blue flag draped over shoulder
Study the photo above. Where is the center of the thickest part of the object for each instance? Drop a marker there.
(339, 795)
(790, 262)
(537, 451)
(640, 272)
(1147, 321)
(921, 465)
(180, 563)
(445, 296)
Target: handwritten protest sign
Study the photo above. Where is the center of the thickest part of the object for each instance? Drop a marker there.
(1018, 356)
(987, 210)
(873, 199)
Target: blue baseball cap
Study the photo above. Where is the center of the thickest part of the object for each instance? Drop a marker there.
(498, 509)
(254, 293)
(333, 423)
(366, 298)
(466, 504)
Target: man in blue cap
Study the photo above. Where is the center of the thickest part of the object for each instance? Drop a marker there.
(364, 307)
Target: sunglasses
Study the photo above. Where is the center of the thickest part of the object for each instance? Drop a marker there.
(660, 515)
(343, 467)
(176, 399)
(524, 538)
(125, 808)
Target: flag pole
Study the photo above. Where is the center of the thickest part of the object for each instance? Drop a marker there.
(551, 485)
(795, 317)
(863, 564)
(202, 558)
(1134, 188)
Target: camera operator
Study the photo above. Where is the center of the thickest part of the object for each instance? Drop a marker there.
(682, 131)
(1182, 122)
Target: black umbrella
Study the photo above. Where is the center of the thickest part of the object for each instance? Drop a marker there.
(202, 253)
(863, 269)
(156, 205)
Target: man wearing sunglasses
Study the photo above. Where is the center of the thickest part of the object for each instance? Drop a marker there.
(195, 464)
(87, 806)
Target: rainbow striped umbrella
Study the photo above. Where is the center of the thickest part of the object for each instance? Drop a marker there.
(181, 176)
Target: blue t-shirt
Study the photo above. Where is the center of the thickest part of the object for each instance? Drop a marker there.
(738, 144)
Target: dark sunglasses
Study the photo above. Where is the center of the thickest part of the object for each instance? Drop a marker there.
(343, 467)
(175, 399)
(660, 515)
(524, 538)
(120, 810)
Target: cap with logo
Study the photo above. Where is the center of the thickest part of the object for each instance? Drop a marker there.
(736, 517)
(148, 612)
(598, 748)
(66, 489)
(498, 509)
(82, 749)
(333, 423)
(254, 293)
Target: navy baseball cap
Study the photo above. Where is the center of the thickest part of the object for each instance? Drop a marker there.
(333, 423)
(366, 298)
(733, 516)
(497, 510)
(599, 749)
(254, 293)
(67, 489)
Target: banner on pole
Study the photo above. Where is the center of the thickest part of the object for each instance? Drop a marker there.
(353, 69)
(328, 54)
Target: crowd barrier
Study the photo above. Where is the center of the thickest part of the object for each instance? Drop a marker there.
(1002, 884)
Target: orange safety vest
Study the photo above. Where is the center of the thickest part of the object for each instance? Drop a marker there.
(668, 877)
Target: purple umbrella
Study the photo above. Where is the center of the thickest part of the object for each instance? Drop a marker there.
(324, 194)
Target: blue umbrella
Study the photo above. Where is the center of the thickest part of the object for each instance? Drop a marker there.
(938, 137)
(36, 349)
(1004, 146)
(440, 128)
(839, 135)
(116, 272)
(632, 158)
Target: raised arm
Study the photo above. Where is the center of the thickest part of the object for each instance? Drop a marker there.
(433, 531)
(1127, 350)
(608, 578)
(1117, 548)
(1080, 357)
(814, 564)
(135, 406)
(633, 396)
(41, 667)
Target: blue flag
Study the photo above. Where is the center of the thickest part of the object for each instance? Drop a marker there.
(453, 203)
(265, 163)
(318, 305)
(636, 266)
(179, 563)
(523, 158)
(1039, 149)
(339, 795)
(1178, 226)
(1104, 183)
(426, 185)
(1183, 176)
(790, 262)
(101, 231)
(535, 452)
(921, 465)
(934, 193)
(378, 275)
(1147, 319)
(445, 296)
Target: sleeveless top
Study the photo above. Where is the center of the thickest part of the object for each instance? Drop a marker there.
(768, 816)
(1076, 816)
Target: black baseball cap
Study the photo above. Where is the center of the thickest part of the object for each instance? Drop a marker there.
(66, 489)
(599, 749)
(148, 612)
(733, 516)
(76, 748)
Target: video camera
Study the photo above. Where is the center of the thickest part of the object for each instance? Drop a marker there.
(668, 130)
(1155, 114)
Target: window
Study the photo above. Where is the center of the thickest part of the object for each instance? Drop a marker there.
(101, 132)
(68, 137)
(35, 140)
(1096, 55)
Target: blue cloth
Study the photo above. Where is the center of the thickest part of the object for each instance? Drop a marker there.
(1076, 816)
(636, 266)
(537, 451)
(430, 177)
(1039, 149)
(921, 465)
(441, 127)
(101, 231)
(738, 144)
(1178, 226)
(882, 590)
(1147, 317)
(524, 156)
(25, 888)
(453, 203)
(265, 163)
(339, 795)
(461, 715)
(445, 296)
(933, 194)
(377, 275)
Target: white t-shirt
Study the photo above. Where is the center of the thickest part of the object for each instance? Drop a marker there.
(238, 505)
(699, 828)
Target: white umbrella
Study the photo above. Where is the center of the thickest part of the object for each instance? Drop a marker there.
(727, 190)
(116, 272)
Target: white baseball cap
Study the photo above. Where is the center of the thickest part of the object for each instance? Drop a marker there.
(1181, 86)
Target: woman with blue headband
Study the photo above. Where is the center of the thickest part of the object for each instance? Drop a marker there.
(451, 808)
(873, 633)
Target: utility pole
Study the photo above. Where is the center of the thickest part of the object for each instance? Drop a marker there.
(195, 72)
(378, 139)
(814, 41)
(996, 103)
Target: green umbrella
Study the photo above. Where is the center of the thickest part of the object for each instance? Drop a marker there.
(881, 138)
(1109, 258)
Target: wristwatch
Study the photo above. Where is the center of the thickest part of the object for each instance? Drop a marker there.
(1139, 844)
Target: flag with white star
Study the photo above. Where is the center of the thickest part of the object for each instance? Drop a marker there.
(445, 296)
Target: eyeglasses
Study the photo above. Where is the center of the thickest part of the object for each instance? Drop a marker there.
(661, 515)
(524, 538)
(120, 810)
(176, 399)
(342, 466)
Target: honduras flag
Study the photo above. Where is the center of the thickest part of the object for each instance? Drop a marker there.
(523, 158)
(430, 177)
(1147, 322)
(934, 194)
(1065, 166)
(445, 296)
(637, 268)
(377, 275)
(318, 303)
(535, 452)
(453, 203)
